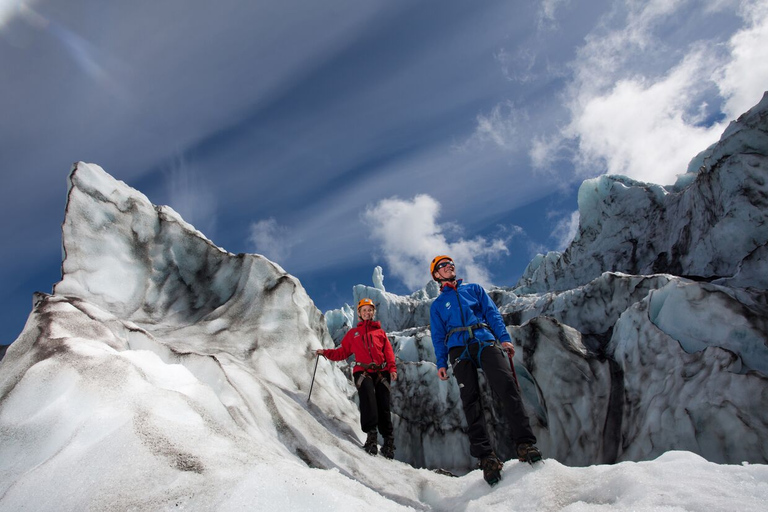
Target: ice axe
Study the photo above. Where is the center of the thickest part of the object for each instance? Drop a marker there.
(317, 360)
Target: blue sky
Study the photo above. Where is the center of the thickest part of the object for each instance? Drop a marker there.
(338, 135)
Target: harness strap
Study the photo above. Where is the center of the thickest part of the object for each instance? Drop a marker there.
(376, 378)
(372, 366)
(465, 355)
(468, 329)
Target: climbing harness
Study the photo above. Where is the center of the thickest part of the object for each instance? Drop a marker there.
(470, 329)
(372, 366)
(376, 376)
(465, 355)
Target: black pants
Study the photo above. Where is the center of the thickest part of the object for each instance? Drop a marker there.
(498, 373)
(373, 389)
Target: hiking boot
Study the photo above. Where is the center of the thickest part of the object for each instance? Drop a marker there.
(388, 448)
(491, 466)
(527, 452)
(371, 446)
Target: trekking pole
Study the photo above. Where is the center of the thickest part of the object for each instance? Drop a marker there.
(514, 373)
(313, 378)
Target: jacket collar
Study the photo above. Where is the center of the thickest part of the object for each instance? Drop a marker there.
(450, 285)
(371, 324)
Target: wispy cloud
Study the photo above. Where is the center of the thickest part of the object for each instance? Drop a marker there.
(501, 128)
(545, 150)
(409, 236)
(548, 13)
(12, 8)
(92, 60)
(517, 66)
(565, 229)
(272, 240)
(189, 194)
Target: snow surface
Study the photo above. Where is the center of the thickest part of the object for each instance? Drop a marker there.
(165, 373)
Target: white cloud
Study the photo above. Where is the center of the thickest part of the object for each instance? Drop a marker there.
(745, 78)
(643, 109)
(409, 237)
(643, 129)
(272, 240)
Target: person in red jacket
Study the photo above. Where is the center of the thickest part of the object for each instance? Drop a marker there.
(373, 371)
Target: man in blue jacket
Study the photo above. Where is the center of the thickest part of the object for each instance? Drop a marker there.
(467, 329)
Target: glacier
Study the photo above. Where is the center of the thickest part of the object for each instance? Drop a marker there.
(165, 373)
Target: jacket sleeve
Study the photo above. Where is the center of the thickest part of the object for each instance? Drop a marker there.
(437, 329)
(492, 316)
(389, 355)
(343, 351)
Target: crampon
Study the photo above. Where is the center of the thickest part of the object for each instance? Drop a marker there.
(527, 452)
(491, 466)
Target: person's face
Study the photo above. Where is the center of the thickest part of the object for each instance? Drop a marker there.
(445, 269)
(366, 312)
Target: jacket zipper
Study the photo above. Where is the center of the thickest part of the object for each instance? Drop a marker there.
(461, 310)
(369, 343)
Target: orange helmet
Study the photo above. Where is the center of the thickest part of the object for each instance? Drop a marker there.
(437, 260)
(365, 302)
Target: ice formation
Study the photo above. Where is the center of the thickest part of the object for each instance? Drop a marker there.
(184, 364)
(713, 226)
(648, 334)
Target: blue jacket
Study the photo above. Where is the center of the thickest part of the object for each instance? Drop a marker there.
(465, 305)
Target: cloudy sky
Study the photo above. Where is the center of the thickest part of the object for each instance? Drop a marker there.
(338, 135)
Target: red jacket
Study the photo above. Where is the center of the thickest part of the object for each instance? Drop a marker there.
(369, 344)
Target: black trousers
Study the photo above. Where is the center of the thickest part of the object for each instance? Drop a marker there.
(373, 390)
(495, 364)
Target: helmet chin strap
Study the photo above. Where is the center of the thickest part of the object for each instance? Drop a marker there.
(442, 280)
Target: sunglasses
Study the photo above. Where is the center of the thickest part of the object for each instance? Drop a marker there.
(445, 264)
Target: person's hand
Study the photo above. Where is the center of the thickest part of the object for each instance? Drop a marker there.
(320, 352)
(510, 348)
(442, 373)
(393, 375)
